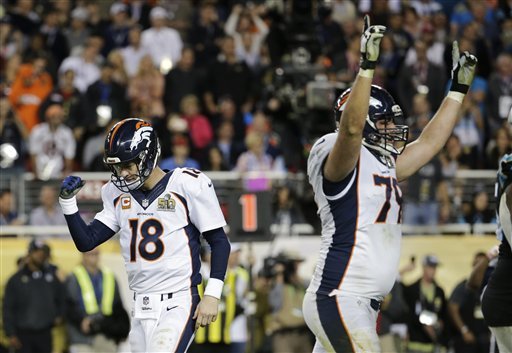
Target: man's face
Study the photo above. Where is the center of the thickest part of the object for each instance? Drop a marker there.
(92, 258)
(128, 171)
(38, 257)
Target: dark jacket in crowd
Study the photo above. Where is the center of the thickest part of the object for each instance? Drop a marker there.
(32, 301)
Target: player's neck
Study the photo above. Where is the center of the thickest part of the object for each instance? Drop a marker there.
(156, 175)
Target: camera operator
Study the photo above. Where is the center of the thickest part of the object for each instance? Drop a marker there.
(287, 326)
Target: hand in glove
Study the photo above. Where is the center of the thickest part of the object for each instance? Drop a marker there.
(463, 70)
(370, 41)
(70, 186)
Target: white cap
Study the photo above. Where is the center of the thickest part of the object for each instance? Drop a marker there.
(158, 12)
(117, 7)
(79, 13)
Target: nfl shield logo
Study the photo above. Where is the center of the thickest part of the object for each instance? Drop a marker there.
(145, 203)
(145, 300)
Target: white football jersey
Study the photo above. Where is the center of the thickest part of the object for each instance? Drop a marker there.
(361, 232)
(160, 230)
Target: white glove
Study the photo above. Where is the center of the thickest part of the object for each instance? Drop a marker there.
(463, 70)
(370, 41)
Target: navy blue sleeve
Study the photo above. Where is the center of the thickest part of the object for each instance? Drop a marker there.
(87, 237)
(221, 248)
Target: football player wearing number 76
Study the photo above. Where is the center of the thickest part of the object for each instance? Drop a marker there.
(354, 173)
(160, 216)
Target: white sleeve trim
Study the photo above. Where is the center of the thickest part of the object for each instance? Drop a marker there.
(69, 206)
(214, 288)
(344, 191)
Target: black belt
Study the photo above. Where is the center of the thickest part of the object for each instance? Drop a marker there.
(375, 304)
(165, 296)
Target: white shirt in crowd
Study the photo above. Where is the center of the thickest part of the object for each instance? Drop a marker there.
(162, 43)
(50, 149)
(85, 73)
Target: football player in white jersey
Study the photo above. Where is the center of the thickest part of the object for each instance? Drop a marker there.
(159, 216)
(354, 173)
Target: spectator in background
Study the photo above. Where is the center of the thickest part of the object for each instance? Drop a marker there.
(146, 90)
(116, 34)
(499, 97)
(261, 123)
(215, 161)
(421, 206)
(229, 76)
(480, 212)
(84, 66)
(54, 38)
(451, 157)
(96, 318)
(11, 41)
(205, 34)
(33, 302)
(163, 43)
(469, 129)
(413, 78)
(471, 333)
(37, 48)
(105, 99)
(500, 145)
(8, 214)
(228, 146)
(343, 11)
(94, 147)
(73, 103)
(227, 111)
(182, 80)
(13, 132)
(434, 49)
(180, 155)
(286, 210)
(134, 51)
(287, 325)
(52, 146)
(256, 159)
(48, 213)
(248, 40)
(199, 127)
(30, 87)
(119, 75)
(77, 32)
(402, 39)
(426, 303)
(24, 17)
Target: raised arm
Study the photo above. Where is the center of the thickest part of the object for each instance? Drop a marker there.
(344, 155)
(440, 127)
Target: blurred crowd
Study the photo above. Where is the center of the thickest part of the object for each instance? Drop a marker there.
(226, 82)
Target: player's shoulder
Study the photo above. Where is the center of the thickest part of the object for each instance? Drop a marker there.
(325, 141)
(187, 178)
(322, 147)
